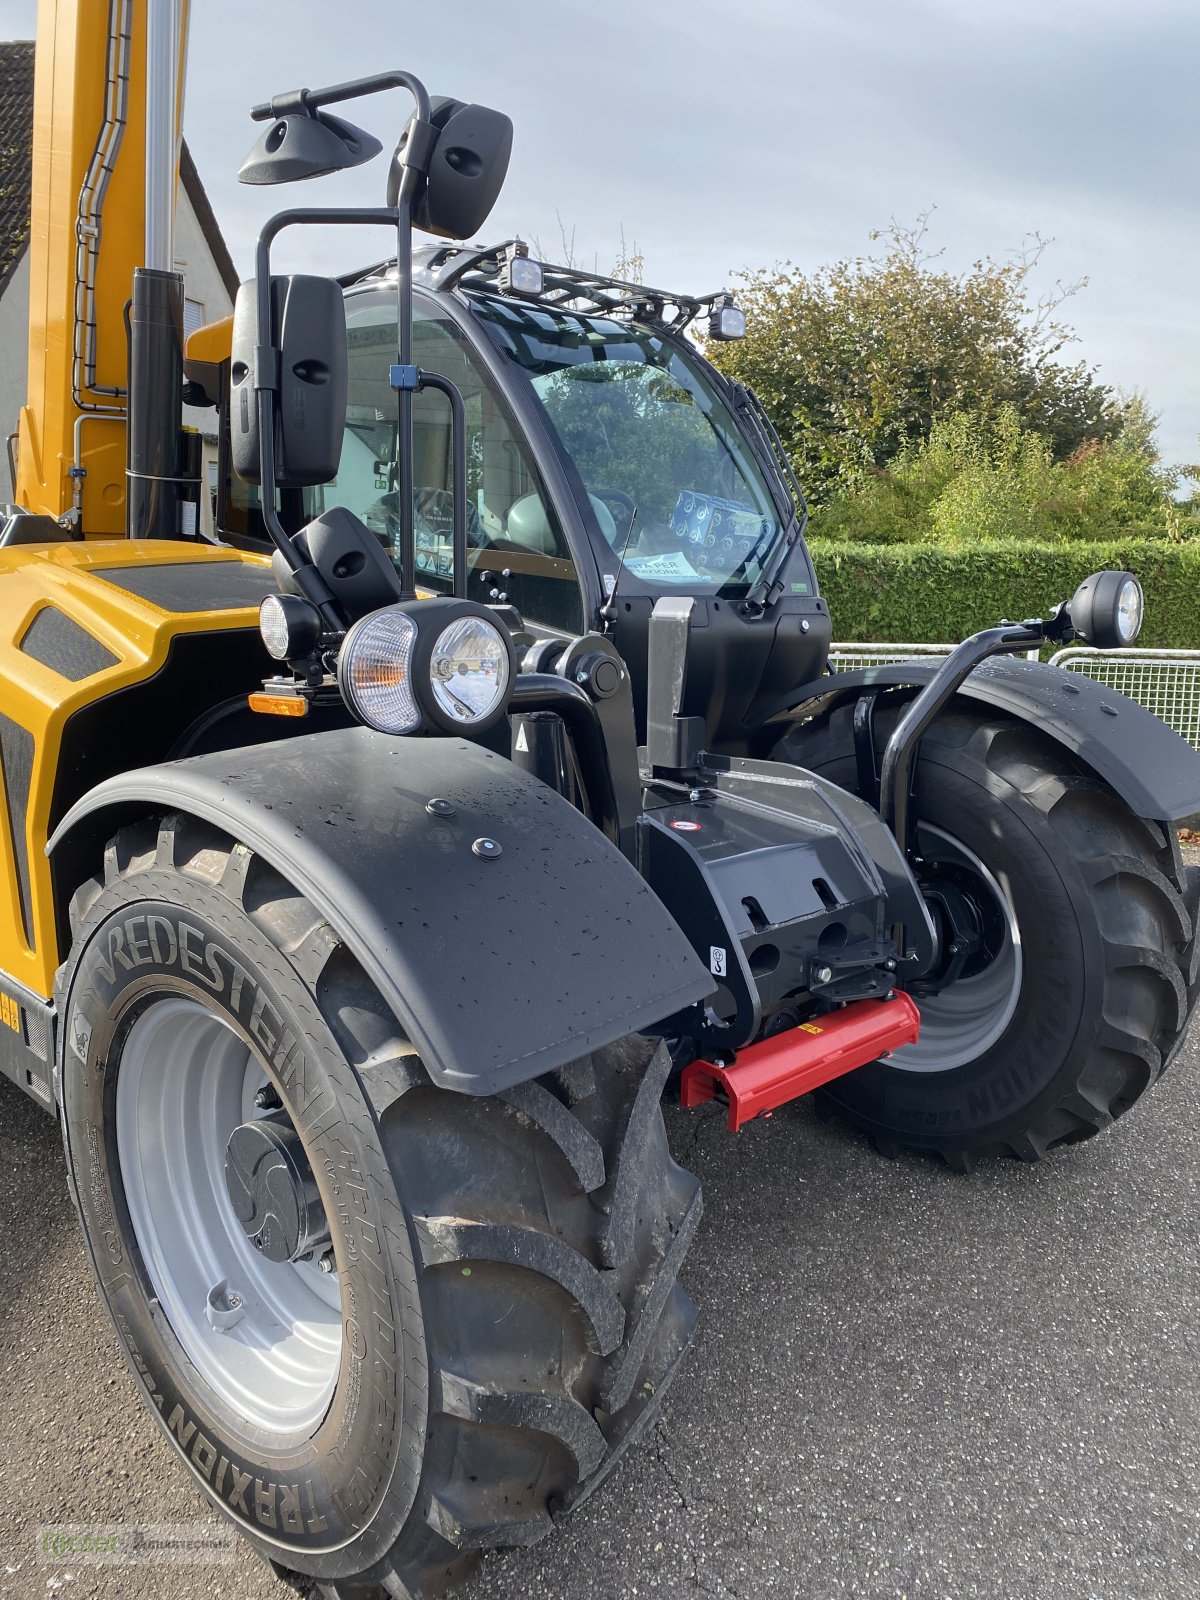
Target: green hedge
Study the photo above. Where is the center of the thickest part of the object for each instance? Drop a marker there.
(933, 594)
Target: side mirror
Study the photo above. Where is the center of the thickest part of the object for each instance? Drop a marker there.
(357, 570)
(466, 171)
(306, 145)
(1106, 610)
(309, 332)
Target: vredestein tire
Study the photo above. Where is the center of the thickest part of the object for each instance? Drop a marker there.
(505, 1267)
(1109, 956)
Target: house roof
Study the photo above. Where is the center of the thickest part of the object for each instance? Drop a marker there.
(16, 152)
(16, 170)
(209, 227)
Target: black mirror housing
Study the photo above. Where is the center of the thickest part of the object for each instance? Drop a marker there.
(466, 171)
(306, 145)
(356, 568)
(309, 331)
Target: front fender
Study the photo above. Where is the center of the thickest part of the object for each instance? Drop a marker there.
(498, 967)
(1153, 770)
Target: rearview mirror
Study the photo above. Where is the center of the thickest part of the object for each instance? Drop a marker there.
(306, 145)
(467, 168)
(309, 332)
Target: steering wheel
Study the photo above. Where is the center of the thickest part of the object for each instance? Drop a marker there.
(622, 507)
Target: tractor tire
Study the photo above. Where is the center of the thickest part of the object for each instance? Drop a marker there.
(1083, 991)
(490, 1314)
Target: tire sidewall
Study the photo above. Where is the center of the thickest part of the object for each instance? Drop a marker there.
(1051, 1033)
(337, 1502)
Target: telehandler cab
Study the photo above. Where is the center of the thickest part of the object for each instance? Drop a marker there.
(369, 869)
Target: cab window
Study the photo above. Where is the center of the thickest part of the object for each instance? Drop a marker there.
(514, 541)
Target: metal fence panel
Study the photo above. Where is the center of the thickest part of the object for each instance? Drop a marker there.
(1166, 682)
(850, 657)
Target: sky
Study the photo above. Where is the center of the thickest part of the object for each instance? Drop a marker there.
(719, 138)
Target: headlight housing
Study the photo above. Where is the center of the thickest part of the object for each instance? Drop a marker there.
(290, 626)
(441, 665)
(1106, 610)
(375, 673)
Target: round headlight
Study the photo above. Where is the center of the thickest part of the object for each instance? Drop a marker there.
(469, 669)
(1106, 610)
(1131, 605)
(290, 626)
(375, 671)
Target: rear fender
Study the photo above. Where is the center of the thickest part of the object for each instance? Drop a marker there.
(1154, 771)
(499, 966)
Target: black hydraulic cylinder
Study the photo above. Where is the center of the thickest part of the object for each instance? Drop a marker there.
(155, 406)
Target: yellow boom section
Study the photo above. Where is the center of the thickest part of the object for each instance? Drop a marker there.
(87, 237)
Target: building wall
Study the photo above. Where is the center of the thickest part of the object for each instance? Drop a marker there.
(14, 360)
(203, 286)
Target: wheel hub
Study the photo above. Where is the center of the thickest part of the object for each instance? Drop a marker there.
(970, 1001)
(272, 1190)
(265, 1332)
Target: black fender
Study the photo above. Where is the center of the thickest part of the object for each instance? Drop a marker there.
(1154, 771)
(499, 965)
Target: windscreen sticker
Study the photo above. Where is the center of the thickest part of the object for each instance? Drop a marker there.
(673, 566)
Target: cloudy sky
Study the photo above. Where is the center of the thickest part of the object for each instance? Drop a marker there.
(720, 137)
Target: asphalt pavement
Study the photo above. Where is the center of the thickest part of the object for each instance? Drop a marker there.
(907, 1383)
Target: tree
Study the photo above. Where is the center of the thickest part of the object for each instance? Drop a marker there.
(857, 361)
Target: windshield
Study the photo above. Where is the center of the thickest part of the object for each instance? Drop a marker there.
(674, 486)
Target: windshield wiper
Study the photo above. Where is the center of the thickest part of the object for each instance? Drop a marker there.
(768, 448)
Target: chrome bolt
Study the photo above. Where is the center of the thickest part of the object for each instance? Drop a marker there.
(487, 849)
(822, 974)
(326, 1262)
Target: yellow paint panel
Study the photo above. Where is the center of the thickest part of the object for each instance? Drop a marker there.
(212, 343)
(137, 632)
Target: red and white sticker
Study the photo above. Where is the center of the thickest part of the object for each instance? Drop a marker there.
(686, 827)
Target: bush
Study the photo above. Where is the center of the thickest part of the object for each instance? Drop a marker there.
(933, 594)
(990, 480)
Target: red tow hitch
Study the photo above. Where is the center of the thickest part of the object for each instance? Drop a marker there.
(784, 1067)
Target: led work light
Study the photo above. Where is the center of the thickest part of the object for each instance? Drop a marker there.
(726, 321)
(290, 626)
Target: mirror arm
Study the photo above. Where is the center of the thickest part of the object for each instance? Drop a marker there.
(267, 379)
(296, 101)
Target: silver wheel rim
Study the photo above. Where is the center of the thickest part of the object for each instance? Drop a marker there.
(186, 1080)
(968, 1018)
